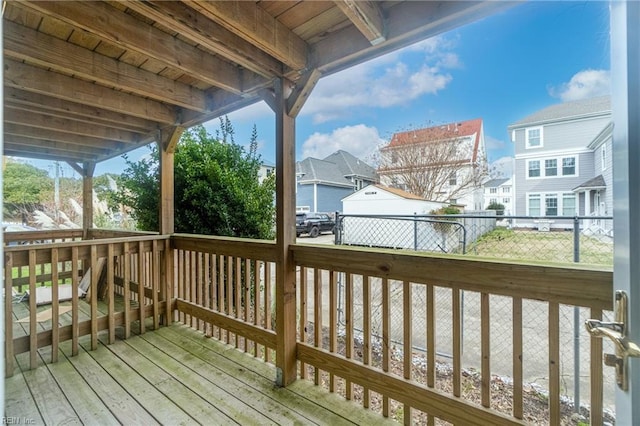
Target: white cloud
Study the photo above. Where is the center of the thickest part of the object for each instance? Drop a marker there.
(583, 85)
(359, 140)
(391, 80)
(492, 143)
(503, 166)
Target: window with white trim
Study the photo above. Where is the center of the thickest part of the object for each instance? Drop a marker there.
(493, 200)
(534, 168)
(569, 166)
(551, 167)
(506, 200)
(506, 189)
(568, 204)
(493, 190)
(534, 137)
(551, 204)
(533, 205)
(603, 157)
(453, 179)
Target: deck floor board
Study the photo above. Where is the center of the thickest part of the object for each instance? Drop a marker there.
(173, 375)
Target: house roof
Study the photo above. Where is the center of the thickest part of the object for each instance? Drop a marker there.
(567, 110)
(440, 133)
(593, 183)
(494, 183)
(314, 170)
(400, 193)
(350, 165)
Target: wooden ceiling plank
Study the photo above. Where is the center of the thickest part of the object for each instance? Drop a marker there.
(27, 44)
(58, 136)
(44, 121)
(367, 17)
(54, 106)
(53, 145)
(251, 22)
(42, 156)
(190, 24)
(34, 79)
(126, 31)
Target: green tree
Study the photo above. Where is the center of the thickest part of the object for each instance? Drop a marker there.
(26, 188)
(216, 187)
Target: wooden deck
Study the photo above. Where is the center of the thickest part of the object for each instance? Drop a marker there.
(173, 375)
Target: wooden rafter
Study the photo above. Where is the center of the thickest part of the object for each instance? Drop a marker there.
(367, 17)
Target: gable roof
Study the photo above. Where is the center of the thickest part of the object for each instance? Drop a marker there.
(314, 170)
(567, 110)
(593, 183)
(350, 165)
(400, 192)
(494, 183)
(440, 133)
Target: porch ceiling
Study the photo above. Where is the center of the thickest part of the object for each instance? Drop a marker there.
(87, 81)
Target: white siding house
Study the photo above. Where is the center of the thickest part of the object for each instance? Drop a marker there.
(554, 157)
(499, 191)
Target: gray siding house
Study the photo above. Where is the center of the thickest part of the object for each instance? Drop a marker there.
(321, 184)
(556, 172)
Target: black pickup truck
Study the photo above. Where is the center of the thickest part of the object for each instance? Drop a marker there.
(313, 224)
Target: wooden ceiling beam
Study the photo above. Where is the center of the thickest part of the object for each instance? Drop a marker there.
(58, 136)
(367, 16)
(43, 154)
(128, 32)
(302, 91)
(54, 145)
(406, 23)
(23, 43)
(60, 107)
(191, 24)
(258, 27)
(44, 121)
(38, 80)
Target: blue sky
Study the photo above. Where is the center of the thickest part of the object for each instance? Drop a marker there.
(500, 69)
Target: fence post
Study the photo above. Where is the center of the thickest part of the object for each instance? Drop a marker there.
(576, 323)
(336, 230)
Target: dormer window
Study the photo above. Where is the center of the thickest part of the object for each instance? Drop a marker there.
(534, 137)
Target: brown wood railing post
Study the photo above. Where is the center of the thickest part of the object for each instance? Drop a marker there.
(8, 315)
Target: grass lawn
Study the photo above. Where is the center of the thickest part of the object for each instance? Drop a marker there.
(533, 245)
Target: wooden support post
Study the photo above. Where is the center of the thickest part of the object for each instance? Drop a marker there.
(167, 143)
(285, 237)
(87, 198)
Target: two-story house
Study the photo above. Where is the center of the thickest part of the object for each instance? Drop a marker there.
(555, 171)
(499, 190)
(445, 163)
(321, 184)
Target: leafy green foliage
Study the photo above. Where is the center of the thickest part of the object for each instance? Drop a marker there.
(25, 188)
(446, 210)
(216, 187)
(495, 206)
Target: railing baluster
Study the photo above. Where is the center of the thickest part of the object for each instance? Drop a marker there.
(55, 306)
(220, 290)
(94, 297)
(206, 272)
(166, 290)
(386, 338)
(596, 374)
(431, 336)
(485, 349)
(317, 316)
(8, 314)
(237, 292)
(456, 308)
(554, 363)
(75, 311)
(229, 295)
(407, 335)
(267, 305)
(366, 327)
(302, 290)
(199, 285)
(213, 272)
(127, 289)
(155, 283)
(348, 315)
(193, 296)
(256, 301)
(33, 337)
(517, 358)
(110, 294)
(141, 298)
(333, 322)
(247, 297)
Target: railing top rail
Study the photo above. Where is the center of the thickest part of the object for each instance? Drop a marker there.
(84, 243)
(231, 246)
(570, 284)
(38, 234)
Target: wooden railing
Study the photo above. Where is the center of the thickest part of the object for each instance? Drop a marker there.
(366, 335)
(128, 274)
(44, 236)
(225, 287)
(374, 325)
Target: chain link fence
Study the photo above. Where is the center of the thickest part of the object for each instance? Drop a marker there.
(584, 239)
(526, 239)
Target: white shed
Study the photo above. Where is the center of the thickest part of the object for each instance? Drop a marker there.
(382, 200)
